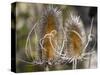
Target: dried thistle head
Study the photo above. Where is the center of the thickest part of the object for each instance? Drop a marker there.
(75, 34)
(77, 41)
(46, 31)
(52, 19)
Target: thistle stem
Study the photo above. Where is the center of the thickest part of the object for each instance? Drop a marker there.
(46, 68)
(74, 66)
(90, 36)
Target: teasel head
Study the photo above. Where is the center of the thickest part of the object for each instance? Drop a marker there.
(52, 29)
(46, 31)
(76, 37)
